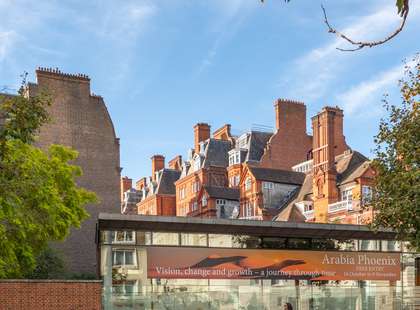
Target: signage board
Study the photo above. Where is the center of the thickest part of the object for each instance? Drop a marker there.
(217, 263)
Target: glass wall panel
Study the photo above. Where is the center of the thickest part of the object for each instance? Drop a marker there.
(161, 238)
(226, 241)
(143, 238)
(194, 239)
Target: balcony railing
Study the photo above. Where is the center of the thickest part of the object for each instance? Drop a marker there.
(344, 205)
(304, 167)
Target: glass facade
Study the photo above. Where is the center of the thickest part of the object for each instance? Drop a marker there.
(123, 257)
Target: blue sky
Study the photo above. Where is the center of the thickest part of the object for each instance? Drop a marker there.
(163, 66)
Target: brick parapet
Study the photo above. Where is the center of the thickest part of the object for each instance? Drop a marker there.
(51, 294)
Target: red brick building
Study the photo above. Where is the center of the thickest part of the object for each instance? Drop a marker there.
(287, 175)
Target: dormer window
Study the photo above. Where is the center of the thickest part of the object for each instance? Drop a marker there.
(202, 147)
(243, 141)
(197, 163)
(234, 157)
(268, 185)
(347, 194)
(190, 154)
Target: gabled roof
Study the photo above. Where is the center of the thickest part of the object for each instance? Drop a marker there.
(350, 165)
(222, 192)
(217, 153)
(277, 175)
(166, 184)
(290, 214)
(257, 143)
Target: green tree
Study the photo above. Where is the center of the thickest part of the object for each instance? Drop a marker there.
(39, 199)
(396, 198)
(49, 265)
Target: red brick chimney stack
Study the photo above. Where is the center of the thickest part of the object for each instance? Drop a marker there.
(201, 133)
(158, 163)
(328, 142)
(126, 184)
(290, 116)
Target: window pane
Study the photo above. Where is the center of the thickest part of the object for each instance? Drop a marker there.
(160, 238)
(193, 239)
(118, 258)
(129, 258)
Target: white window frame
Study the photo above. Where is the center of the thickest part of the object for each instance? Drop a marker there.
(194, 206)
(126, 233)
(204, 201)
(182, 193)
(114, 257)
(195, 186)
(347, 193)
(197, 163)
(249, 209)
(268, 185)
(366, 193)
(248, 183)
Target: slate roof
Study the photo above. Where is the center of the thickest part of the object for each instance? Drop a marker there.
(222, 192)
(257, 143)
(349, 166)
(166, 184)
(217, 153)
(277, 175)
(290, 214)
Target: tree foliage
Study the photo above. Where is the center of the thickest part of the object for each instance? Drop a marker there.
(39, 199)
(49, 265)
(396, 199)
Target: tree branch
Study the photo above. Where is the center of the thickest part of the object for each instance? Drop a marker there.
(362, 44)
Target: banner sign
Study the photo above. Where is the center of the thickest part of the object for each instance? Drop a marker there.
(216, 263)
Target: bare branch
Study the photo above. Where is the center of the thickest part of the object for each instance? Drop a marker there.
(362, 44)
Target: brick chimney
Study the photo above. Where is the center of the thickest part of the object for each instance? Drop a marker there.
(126, 184)
(201, 133)
(223, 133)
(176, 163)
(158, 163)
(290, 144)
(290, 116)
(328, 141)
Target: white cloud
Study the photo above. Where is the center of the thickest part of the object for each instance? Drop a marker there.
(365, 95)
(127, 21)
(7, 40)
(316, 70)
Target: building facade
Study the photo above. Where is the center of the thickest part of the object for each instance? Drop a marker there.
(80, 120)
(285, 175)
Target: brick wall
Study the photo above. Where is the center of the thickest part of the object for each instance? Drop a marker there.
(290, 144)
(50, 294)
(81, 120)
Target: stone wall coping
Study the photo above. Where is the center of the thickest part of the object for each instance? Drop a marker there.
(47, 281)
